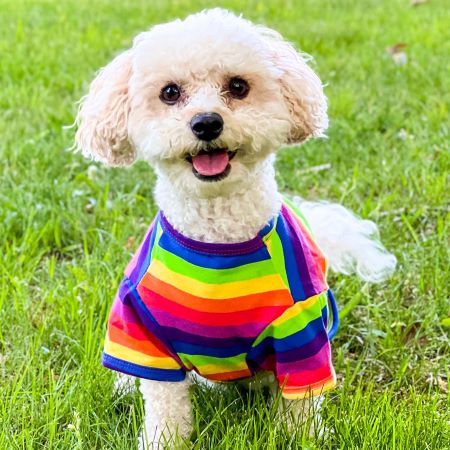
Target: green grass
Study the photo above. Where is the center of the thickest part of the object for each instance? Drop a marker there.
(64, 234)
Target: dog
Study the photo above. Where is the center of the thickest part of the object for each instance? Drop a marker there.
(207, 101)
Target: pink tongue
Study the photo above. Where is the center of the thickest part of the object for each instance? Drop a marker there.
(211, 163)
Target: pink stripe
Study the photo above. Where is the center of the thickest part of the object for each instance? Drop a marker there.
(305, 377)
(133, 330)
(316, 362)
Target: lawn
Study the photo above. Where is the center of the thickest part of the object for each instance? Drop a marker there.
(67, 229)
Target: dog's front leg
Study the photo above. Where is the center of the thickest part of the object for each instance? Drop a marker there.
(167, 412)
(303, 413)
(299, 413)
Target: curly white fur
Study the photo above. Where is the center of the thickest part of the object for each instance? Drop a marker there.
(351, 244)
(122, 119)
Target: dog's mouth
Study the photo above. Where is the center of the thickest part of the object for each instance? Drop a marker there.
(211, 164)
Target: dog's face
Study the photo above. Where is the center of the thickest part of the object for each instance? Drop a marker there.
(204, 101)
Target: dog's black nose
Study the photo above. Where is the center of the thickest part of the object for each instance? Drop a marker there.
(207, 126)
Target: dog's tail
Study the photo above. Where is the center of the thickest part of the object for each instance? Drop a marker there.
(351, 244)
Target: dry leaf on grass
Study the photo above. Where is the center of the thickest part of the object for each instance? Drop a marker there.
(130, 243)
(418, 2)
(398, 54)
(439, 381)
(443, 384)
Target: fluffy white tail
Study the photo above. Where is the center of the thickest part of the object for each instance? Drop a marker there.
(351, 244)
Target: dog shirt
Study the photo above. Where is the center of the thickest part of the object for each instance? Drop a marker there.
(226, 311)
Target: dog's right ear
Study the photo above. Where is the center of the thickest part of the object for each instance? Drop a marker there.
(301, 88)
(102, 117)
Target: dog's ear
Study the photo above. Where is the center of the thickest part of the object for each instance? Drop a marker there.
(103, 115)
(301, 88)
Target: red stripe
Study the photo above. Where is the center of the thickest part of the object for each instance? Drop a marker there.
(135, 331)
(228, 375)
(156, 302)
(120, 337)
(318, 384)
(305, 378)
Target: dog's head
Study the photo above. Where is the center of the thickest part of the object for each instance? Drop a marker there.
(203, 100)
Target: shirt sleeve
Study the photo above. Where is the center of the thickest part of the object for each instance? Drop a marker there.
(131, 347)
(296, 348)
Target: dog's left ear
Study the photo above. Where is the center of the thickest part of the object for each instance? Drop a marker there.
(103, 115)
(301, 88)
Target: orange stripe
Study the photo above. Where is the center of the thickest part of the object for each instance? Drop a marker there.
(137, 330)
(147, 347)
(156, 302)
(280, 297)
(228, 375)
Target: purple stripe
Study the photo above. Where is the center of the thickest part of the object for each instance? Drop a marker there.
(305, 351)
(123, 293)
(299, 248)
(248, 330)
(212, 248)
(174, 334)
(290, 356)
(316, 362)
(125, 313)
(141, 259)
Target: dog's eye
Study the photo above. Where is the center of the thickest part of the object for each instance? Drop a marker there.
(238, 88)
(170, 94)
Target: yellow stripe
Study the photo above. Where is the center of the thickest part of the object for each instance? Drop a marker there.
(129, 355)
(268, 243)
(215, 291)
(297, 308)
(209, 369)
(305, 393)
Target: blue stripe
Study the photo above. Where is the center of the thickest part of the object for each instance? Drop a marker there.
(211, 261)
(174, 334)
(334, 315)
(292, 272)
(295, 341)
(217, 352)
(303, 352)
(141, 371)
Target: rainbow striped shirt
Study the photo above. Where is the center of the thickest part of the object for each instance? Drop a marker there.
(226, 311)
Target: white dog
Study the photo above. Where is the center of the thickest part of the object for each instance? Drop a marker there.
(207, 101)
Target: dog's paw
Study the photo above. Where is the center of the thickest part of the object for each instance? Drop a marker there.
(158, 437)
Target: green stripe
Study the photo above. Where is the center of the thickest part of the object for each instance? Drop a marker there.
(277, 256)
(296, 323)
(245, 272)
(158, 234)
(225, 362)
